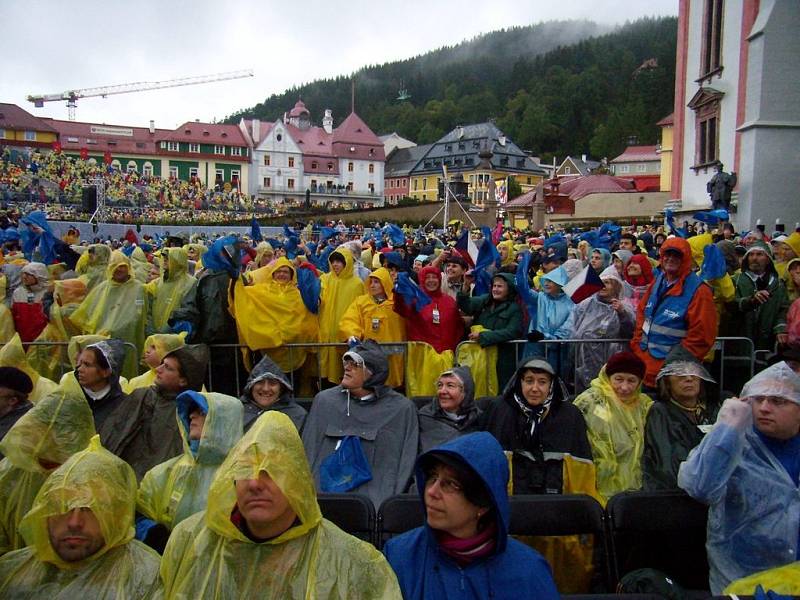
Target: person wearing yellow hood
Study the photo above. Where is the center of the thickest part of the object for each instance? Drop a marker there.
(139, 264)
(615, 410)
(209, 424)
(372, 317)
(271, 313)
(340, 286)
(12, 354)
(786, 249)
(7, 329)
(41, 441)
(156, 347)
(168, 291)
(92, 265)
(506, 250)
(263, 535)
(117, 307)
(80, 536)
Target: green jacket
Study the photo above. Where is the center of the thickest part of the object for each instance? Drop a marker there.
(504, 322)
(205, 306)
(761, 322)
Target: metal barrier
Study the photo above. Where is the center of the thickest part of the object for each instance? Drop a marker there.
(745, 359)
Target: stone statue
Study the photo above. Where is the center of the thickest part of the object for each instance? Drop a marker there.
(719, 187)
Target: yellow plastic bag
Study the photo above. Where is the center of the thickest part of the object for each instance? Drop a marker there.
(782, 580)
(483, 364)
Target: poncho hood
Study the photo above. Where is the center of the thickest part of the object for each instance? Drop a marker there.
(222, 427)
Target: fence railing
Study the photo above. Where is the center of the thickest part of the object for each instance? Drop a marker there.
(64, 364)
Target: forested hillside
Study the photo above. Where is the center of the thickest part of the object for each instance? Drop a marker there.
(555, 88)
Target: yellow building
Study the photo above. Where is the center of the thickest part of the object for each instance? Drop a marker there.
(20, 128)
(666, 125)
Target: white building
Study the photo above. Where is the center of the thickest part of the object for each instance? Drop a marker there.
(737, 100)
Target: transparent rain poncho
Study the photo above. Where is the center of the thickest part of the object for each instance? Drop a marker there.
(92, 264)
(178, 488)
(207, 556)
(122, 568)
(7, 328)
(57, 427)
(168, 290)
(118, 310)
(778, 380)
(13, 354)
(616, 434)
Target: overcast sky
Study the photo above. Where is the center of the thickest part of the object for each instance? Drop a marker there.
(50, 46)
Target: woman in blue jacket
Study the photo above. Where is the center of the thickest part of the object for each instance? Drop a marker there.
(463, 550)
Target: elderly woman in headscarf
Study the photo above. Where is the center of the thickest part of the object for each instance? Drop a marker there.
(620, 260)
(678, 421)
(28, 309)
(268, 388)
(602, 315)
(638, 276)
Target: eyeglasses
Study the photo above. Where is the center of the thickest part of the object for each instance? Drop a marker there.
(448, 486)
(776, 401)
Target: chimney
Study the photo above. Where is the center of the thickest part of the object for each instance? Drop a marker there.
(152, 126)
(583, 157)
(327, 121)
(502, 140)
(256, 131)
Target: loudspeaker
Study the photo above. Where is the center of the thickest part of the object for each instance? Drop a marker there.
(89, 199)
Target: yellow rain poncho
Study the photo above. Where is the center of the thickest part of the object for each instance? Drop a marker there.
(122, 568)
(164, 343)
(338, 293)
(483, 364)
(616, 434)
(508, 246)
(178, 488)
(167, 292)
(7, 328)
(367, 319)
(118, 310)
(60, 425)
(141, 268)
(91, 266)
(208, 557)
(424, 367)
(50, 357)
(12, 354)
(271, 314)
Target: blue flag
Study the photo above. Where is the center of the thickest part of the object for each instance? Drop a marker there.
(411, 293)
(669, 223)
(712, 217)
(395, 234)
(255, 230)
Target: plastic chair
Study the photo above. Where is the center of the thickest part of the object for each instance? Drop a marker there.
(353, 513)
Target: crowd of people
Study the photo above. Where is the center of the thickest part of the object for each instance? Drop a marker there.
(160, 437)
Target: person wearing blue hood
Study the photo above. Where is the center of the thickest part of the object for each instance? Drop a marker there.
(464, 547)
(204, 314)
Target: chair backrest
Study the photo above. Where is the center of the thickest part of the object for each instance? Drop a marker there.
(353, 513)
(420, 401)
(305, 402)
(556, 515)
(660, 530)
(397, 515)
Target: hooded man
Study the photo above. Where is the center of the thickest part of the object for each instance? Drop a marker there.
(761, 299)
(15, 386)
(57, 427)
(268, 388)
(452, 412)
(79, 535)
(365, 413)
(678, 308)
(210, 425)
(144, 430)
(747, 469)
(205, 317)
(171, 287)
(263, 535)
(117, 307)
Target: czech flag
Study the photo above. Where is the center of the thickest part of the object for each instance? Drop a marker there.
(583, 285)
(466, 247)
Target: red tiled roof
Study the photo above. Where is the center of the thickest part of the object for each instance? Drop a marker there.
(638, 154)
(299, 109)
(207, 133)
(125, 139)
(265, 128)
(578, 187)
(353, 130)
(668, 120)
(14, 117)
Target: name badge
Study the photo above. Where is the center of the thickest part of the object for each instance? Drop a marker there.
(435, 316)
(375, 324)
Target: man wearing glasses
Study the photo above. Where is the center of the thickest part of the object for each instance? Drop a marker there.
(747, 470)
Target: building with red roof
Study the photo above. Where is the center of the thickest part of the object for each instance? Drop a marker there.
(294, 161)
(18, 127)
(642, 164)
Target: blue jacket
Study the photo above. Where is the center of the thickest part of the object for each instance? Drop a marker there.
(665, 316)
(513, 571)
(754, 514)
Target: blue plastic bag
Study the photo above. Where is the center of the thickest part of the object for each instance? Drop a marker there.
(346, 468)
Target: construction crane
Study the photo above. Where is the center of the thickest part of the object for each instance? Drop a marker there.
(71, 96)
